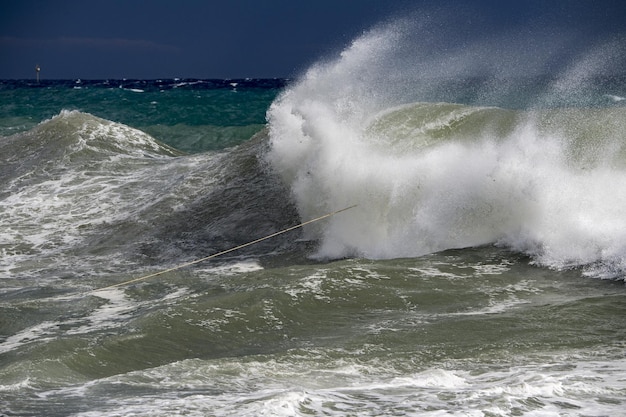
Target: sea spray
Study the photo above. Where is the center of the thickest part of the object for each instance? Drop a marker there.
(433, 166)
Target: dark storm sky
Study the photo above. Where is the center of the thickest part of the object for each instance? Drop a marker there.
(95, 39)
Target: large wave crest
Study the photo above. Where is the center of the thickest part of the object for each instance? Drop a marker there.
(448, 147)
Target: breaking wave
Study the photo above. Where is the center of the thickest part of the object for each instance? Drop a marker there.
(439, 153)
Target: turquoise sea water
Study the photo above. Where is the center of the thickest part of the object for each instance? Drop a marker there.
(481, 272)
(192, 115)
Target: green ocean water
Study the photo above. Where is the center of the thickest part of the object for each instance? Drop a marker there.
(479, 273)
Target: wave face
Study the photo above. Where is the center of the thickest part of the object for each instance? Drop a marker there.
(80, 192)
(440, 152)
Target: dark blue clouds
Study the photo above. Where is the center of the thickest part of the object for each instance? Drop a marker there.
(244, 38)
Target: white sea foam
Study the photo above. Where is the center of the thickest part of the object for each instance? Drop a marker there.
(537, 187)
(615, 98)
(16, 387)
(105, 173)
(114, 313)
(41, 332)
(311, 285)
(236, 268)
(299, 388)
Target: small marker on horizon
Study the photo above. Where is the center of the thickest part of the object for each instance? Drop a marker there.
(37, 69)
